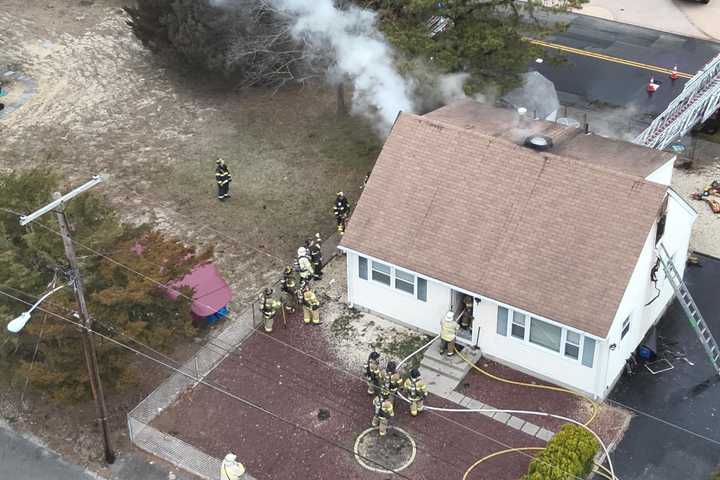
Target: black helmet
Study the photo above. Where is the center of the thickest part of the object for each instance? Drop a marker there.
(268, 291)
(414, 373)
(391, 367)
(308, 242)
(374, 355)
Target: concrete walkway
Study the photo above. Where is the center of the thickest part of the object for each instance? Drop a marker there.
(443, 374)
(685, 17)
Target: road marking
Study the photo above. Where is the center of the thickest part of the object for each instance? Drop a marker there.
(608, 58)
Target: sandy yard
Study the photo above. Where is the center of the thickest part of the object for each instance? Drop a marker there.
(93, 100)
(104, 104)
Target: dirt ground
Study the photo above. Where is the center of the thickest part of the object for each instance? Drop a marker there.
(104, 104)
(271, 372)
(609, 422)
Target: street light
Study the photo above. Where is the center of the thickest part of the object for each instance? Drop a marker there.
(18, 323)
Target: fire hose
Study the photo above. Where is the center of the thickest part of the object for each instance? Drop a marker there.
(610, 471)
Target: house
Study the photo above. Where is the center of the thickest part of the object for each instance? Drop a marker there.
(554, 242)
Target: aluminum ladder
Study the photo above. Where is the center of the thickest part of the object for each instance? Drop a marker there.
(688, 304)
(699, 99)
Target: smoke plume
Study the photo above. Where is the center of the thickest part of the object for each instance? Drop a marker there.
(360, 54)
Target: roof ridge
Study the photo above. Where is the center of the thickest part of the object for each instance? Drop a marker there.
(545, 154)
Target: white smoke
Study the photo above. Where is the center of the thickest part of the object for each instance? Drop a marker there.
(360, 52)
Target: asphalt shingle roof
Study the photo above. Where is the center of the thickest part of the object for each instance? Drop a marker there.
(554, 236)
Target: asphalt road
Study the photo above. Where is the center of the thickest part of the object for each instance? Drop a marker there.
(682, 441)
(592, 80)
(22, 459)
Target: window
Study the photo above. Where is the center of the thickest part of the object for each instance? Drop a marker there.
(662, 220)
(545, 334)
(502, 321)
(381, 272)
(518, 325)
(572, 344)
(362, 268)
(422, 289)
(588, 353)
(625, 327)
(405, 281)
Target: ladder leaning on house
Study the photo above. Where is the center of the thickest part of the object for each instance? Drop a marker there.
(691, 310)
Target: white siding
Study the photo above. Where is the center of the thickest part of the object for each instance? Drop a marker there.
(663, 175)
(396, 304)
(640, 289)
(538, 361)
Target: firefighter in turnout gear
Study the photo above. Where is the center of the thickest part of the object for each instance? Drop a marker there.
(305, 266)
(231, 469)
(415, 391)
(373, 375)
(448, 330)
(223, 179)
(342, 211)
(269, 308)
(391, 381)
(314, 248)
(467, 318)
(311, 306)
(383, 410)
(288, 287)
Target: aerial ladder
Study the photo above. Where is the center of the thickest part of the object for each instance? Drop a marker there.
(699, 99)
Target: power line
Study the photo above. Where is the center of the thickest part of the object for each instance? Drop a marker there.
(220, 389)
(227, 351)
(201, 381)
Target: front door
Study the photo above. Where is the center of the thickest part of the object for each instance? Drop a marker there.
(459, 305)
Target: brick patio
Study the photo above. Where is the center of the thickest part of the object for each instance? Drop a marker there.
(294, 386)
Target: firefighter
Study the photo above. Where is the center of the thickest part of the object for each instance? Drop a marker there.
(231, 469)
(373, 373)
(305, 266)
(448, 330)
(314, 248)
(269, 308)
(383, 410)
(416, 391)
(311, 306)
(288, 287)
(467, 318)
(342, 211)
(223, 179)
(391, 381)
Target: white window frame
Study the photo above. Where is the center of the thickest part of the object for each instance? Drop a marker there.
(625, 327)
(558, 327)
(395, 279)
(389, 274)
(563, 337)
(512, 313)
(566, 341)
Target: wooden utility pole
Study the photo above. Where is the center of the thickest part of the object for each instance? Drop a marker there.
(88, 341)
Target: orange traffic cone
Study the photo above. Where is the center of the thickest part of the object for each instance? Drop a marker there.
(652, 87)
(674, 74)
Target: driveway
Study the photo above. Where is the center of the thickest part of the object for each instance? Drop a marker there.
(677, 437)
(685, 17)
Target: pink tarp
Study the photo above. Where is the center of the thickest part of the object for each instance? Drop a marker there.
(211, 291)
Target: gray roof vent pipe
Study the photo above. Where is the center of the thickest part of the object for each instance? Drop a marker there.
(539, 142)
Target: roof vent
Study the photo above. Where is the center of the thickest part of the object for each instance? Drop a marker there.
(539, 142)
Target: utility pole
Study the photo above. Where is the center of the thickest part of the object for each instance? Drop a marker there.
(88, 341)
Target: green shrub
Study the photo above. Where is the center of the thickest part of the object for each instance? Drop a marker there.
(568, 455)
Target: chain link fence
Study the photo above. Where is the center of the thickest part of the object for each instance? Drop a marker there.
(187, 376)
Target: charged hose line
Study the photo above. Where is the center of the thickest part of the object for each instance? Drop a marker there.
(585, 425)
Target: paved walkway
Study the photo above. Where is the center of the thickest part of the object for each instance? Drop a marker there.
(685, 17)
